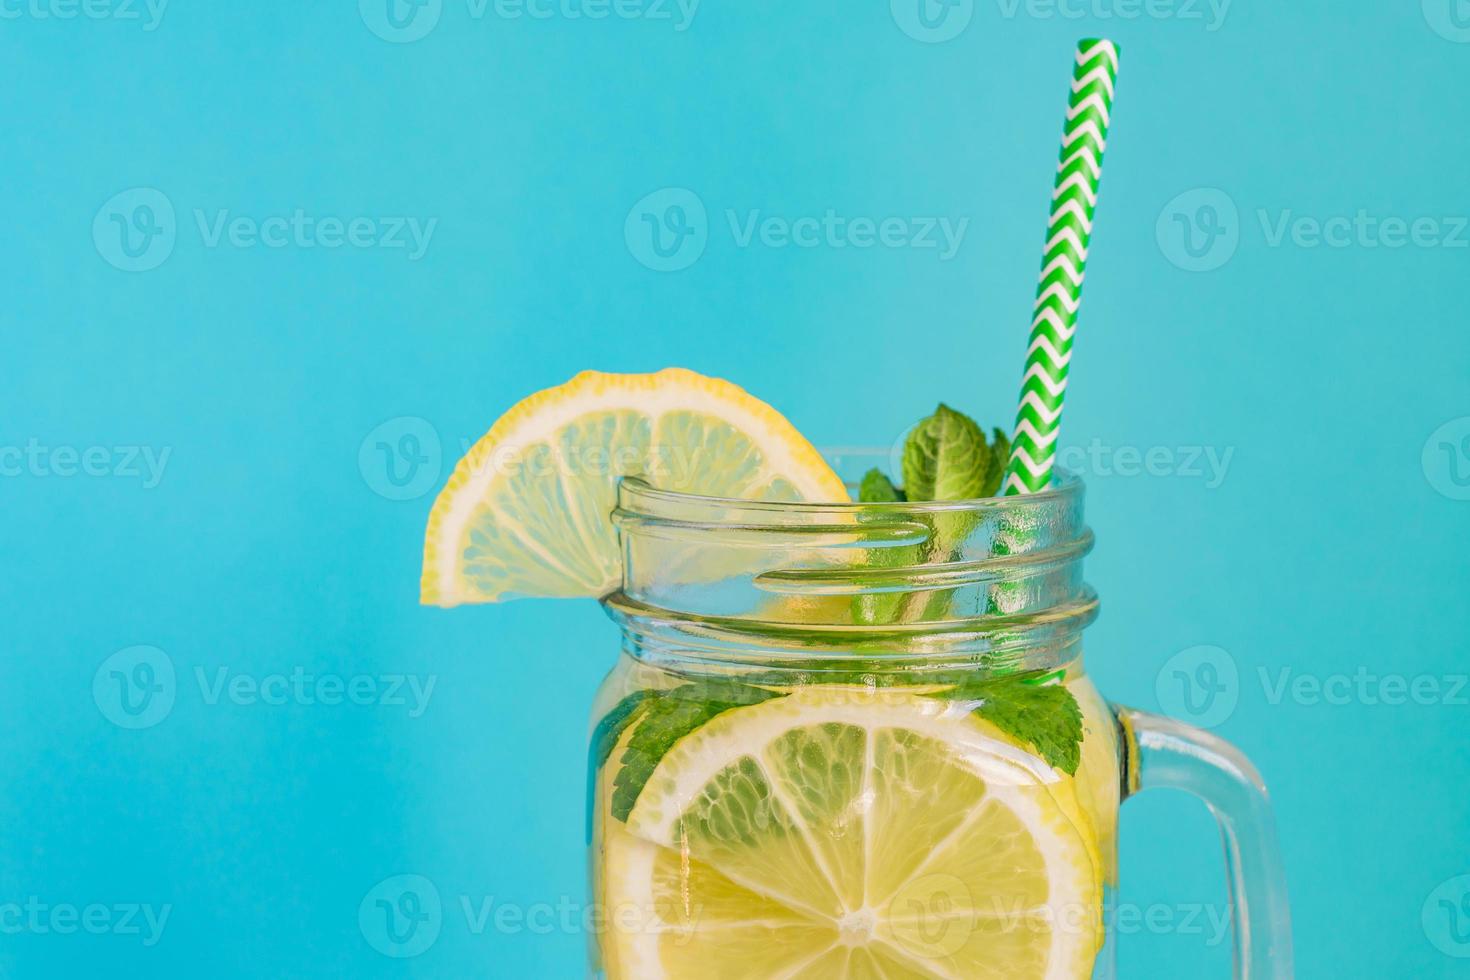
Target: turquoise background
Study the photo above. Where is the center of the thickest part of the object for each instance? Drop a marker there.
(275, 538)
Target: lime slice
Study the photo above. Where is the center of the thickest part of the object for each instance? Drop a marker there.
(526, 511)
(833, 833)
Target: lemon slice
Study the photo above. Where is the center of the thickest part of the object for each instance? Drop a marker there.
(834, 834)
(526, 511)
(1099, 785)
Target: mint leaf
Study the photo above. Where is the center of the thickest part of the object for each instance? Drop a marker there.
(610, 729)
(605, 737)
(670, 716)
(878, 489)
(1043, 716)
(946, 458)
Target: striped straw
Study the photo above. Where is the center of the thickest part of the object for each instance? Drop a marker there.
(1044, 385)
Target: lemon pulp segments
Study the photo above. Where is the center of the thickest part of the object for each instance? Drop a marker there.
(834, 833)
(526, 511)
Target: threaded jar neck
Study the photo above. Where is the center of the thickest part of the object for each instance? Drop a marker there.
(997, 580)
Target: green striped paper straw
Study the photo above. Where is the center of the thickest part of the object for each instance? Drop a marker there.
(1073, 202)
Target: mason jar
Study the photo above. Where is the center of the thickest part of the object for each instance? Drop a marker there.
(860, 740)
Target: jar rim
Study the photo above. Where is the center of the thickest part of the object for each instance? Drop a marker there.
(636, 495)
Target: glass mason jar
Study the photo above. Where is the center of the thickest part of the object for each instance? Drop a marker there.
(859, 740)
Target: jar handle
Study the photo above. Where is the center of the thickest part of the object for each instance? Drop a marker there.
(1162, 753)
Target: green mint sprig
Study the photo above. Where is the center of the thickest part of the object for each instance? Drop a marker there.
(946, 457)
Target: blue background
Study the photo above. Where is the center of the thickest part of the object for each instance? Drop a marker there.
(272, 542)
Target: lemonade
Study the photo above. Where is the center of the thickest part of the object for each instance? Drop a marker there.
(842, 739)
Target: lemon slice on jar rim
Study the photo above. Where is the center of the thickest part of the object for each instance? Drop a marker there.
(526, 512)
